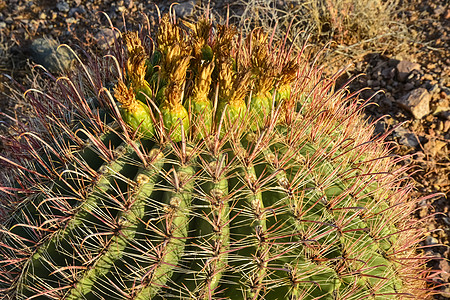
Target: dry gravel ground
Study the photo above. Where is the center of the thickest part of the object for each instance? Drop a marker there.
(414, 103)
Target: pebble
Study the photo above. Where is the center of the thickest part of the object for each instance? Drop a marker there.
(447, 125)
(427, 77)
(445, 267)
(106, 37)
(433, 146)
(439, 10)
(77, 10)
(408, 86)
(71, 20)
(392, 62)
(434, 89)
(404, 68)
(440, 106)
(445, 115)
(431, 241)
(406, 137)
(2, 25)
(45, 51)
(62, 6)
(416, 102)
(184, 9)
(445, 91)
(446, 14)
(388, 73)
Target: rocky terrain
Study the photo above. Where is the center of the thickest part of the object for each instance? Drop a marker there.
(409, 91)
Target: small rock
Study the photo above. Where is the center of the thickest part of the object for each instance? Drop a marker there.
(434, 89)
(444, 292)
(45, 51)
(2, 25)
(392, 62)
(62, 6)
(388, 73)
(386, 101)
(71, 20)
(106, 37)
(77, 10)
(72, 11)
(445, 267)
(404, 68)
(446, 125)
(120, 9)
(414, 75)
(408, 86)
(431, 241)
(445, 115)
(184, 9)
(439, 10)
(446, 14)
(441, 106)
(406, 137)
(427, 77)
(417, 102)
(433, 146)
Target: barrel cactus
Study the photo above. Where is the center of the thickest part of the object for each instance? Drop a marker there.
(196, 163)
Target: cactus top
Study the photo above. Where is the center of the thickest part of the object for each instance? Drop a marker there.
(199, 79)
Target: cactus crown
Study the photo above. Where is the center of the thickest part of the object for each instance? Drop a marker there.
(210, 167)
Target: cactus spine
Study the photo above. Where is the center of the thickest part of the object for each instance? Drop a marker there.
(217, 167)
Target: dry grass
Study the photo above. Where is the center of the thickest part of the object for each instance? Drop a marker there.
(346, 27)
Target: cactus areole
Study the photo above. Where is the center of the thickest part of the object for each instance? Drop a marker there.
(203, 164)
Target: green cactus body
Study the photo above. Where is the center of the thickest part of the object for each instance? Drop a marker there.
(178, 213)
(199, 106)
(283, 93)
(232, 113)
(49, 256)
(129, 218)
(261, 106)
(253, 200)
(175, 120)
(139, 120)
(202, 113)
(143, 92)
(134, 113)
